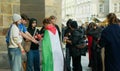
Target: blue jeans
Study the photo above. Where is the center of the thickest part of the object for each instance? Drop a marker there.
(33, 60)
(15, 59)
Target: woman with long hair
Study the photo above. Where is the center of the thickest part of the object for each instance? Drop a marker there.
(110, 40)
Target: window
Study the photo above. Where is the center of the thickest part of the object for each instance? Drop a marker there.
(77, 12)
(89, 0)
(78, 1)
(115, 7)
(101, 8)
(80, 10)
(119, 7)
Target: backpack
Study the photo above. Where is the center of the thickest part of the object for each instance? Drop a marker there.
(80, 43)
(8, 35)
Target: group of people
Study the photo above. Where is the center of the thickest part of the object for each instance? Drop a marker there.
(98, 37)
(75, 38)
(49, 37)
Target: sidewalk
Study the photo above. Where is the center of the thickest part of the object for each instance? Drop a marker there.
(4, 69)
(84, 61)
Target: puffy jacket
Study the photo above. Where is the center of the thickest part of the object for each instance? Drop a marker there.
(76, 38)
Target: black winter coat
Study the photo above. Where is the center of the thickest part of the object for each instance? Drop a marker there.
(76, 36)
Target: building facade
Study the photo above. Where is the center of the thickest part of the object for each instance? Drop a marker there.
(114, 6)
(85, 10)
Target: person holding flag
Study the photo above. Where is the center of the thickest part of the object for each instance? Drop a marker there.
(51, 48)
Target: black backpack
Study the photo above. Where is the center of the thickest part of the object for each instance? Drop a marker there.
(80, 43)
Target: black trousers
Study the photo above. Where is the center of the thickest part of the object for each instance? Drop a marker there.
(96, 57)
(77, 63)
(96, 61)
(68, 59)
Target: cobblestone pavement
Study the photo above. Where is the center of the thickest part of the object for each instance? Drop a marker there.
(4, 69)
(84, 62)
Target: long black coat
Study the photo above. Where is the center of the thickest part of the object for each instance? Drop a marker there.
(95, 51)
(110, 40)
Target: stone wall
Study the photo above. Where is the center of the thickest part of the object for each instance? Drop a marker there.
(7, 8)
(41, 8)
(53, 7)
(34, 9)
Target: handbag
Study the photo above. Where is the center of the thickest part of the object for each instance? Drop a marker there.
(27, 43)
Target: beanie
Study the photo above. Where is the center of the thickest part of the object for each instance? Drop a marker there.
(16, 17)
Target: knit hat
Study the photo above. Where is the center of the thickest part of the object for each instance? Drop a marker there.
(16, 17)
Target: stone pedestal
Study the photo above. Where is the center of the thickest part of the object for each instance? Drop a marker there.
(4, 61)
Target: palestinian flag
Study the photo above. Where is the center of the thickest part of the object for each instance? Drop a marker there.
(51, 50)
